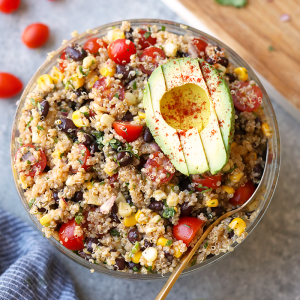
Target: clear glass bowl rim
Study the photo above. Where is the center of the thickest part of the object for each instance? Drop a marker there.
(171, 26)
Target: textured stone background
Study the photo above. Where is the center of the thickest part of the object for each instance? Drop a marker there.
(265, 266)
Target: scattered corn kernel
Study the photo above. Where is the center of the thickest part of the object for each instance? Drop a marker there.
(177, 252)
(77, 82)
(266, 129)
(150, 254)
(108, 172)
(164, 242)
(46, 219)
(44, 82)
(77, 119)
(136, 257)
(89, 185)
(142, 115)
(115, 34)
(159, 195)
(242, 73)
(236, 177)
(130, 221)
(56, 154)
(90, 80)
(170, 49)
(172, 199)
(212, 203)
(252, 206)
(228, 189)
(130, 98)
(107, 120)
(137, 217)
(106, 70)
(57, 75)
(124, 209)
(238, 225)
(120, 198)
(88, 61)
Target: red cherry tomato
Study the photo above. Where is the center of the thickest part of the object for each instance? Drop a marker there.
(155, 54)
(254, 96)
(67, 237)
(10, 85)
(113, 179)
(200, 46)
(93, 46)
(146, 40)
(187, 228)
(85, 155)
(35, 35)
(242, 194)
(207, 182)
(130, 132)
(120, 51)
(106, 89)
(61, 65)
(9, 6)
(39, 166)
(157, 166)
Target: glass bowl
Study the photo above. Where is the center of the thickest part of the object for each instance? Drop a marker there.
(269, 180)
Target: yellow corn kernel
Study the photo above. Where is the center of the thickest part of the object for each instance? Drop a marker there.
(266, 129)
(107, 120)
(137, 216)
(118, 34)
(107, 71)
(57, 75)
(124, 209)
(212, 203)
(172, 199)
(238, 225)
(233, 145)
(130, 98)
(242, 73)
(109, 173)
(252, 206)
(159, 195)
(175, 208)
(90, 81)
(164, 242)
(89, 185)
(237, 177)
(44, 82)
(177, 252)
(142, 115)
(46, 219)
(228, 189)
(130, 221)
(88, 61)
(150, 254)
(136, 257)
(77, 119)
(56, 154)
(77, 82)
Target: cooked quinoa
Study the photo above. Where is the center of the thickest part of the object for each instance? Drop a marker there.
(76, 169)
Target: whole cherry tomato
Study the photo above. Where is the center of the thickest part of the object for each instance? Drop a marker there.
(200, 46)
(106, 89)
(93, 45)
(67, 237)
(10, 85)
(254, 97)
(207, 182)
(187, 228)
(9, 6)
(242, 194)
(155, 55)
(130, 132)
(146, 40)
(35, 35)
(120, 51)
(85, 155)
(61, 65)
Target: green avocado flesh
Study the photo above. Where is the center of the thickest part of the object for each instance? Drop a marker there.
(184, 111)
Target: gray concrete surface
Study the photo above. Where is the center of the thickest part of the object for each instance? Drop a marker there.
(265, 266)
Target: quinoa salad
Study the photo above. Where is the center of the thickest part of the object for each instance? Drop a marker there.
(95, 164)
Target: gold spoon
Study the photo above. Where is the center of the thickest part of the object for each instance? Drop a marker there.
(191, 251)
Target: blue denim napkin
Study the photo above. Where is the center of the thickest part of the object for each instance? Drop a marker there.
(29, 268)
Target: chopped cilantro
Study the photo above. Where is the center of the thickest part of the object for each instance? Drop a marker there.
(28, 162)
(129, 150)
(20, 142)
(61, 155)
(27, 125)
(193, 262)
(190, 192)
(86, 114)
(232, 169)
(271, 48)
(33, 102)
(205, 191)
(150, 269)
(169, 212)
(63, 110)
(135, 269)
(186, 225)
(80, 161)
(163, 28)
(147, 34)
(235, 3)
(205, 245)
(134, 249)
(55, 140)
(101, 183)
(40, 127)
(169, 243)
(134, 85)
(84, 74)
(127, 184)
(116, 95)
(124, 129)
(229, 229)
(114, 232)
(168, 174)
(30, 203)
(115, 160)
(78, 219)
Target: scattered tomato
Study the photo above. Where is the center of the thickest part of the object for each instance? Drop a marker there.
(146, 40)
(242, 194)
(67, 237)
(130, 132)
(61, 65)
(254, 96)
(200, 46)
(106, 89)
(207, 182)
(35, 35)
(120, 51)
(187, 228)
(113, 179)
(10, 85)
(155, 55)
(9, 6)
(93, 46)
(85, 155)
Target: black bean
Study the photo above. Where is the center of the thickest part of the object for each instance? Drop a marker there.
(217, 49)
(131, 265)
(41, 210)
(182, 54)
(76, 52)
(120, 263)
(141, 163)
(85, 255)
(258, 120)
(186, 209)
(124, 158)
(115, 218)
(168, 256)
(127, 73)
(128, 116)
(156, 205)
(258, 170)
(210, 60)
(223, 61)
(55, 196)
(47, 168)
(210, 256)
(114, 208)
(133, 235)
(128, 34)
(78, 196)
(147, 135)
(88, 139)
(129, 201)
(219, 210)
(230, 234)
(89, 242)
(67, 126)
(184, 184)
(53, 206)
(81, 91)
(44, 108)
(94, 148)
(230, 77)
(237, 111)
(147, 244)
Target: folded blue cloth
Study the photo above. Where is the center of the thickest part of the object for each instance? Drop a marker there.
(29, 268)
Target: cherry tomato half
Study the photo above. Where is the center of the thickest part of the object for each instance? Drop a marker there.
(10, 85)
(187, 228)
(200, 46)
(158, 165)
(254, 96)
(120, 51)
(128, 131)
(106, 89)
(242, 194)
(85, 155)
(9, 6)
(93, 46)
(35, 35)
(146, 40)
(207, 182)
(151, 55)
(67, 237)
(39, 166)
(61, 65)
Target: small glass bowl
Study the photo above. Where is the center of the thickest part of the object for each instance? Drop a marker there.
(271, 172)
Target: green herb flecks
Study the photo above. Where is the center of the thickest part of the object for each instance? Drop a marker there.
(150, 269)
(101, 183)
(147, 34)
(169, 212)
(80, 161)
(84, 74)
(115, 160)
(30, 203)
(129, 150)
(135, 269)
(117, 95)
(28, 162)
(134, 249)
(78, 219)
(187, 226)
(86, 114)
(232, 169)
(169, 243)
(134, 85)
(229, 229)
(163, 28)
(205, 245)
(40, 127)
(33, 102)
(28, 124)
(271, 48)
(114, 232)
(193, 262)
(235, 3)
